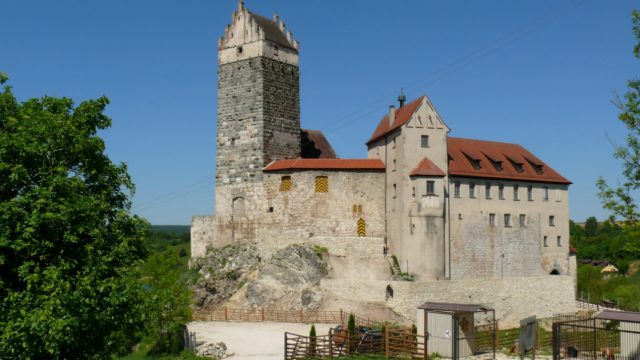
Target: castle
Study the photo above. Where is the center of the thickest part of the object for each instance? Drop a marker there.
(448, 208)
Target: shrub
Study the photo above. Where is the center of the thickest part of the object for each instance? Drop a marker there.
(312, 341)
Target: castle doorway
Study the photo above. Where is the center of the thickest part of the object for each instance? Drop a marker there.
(362, 228)
(554, 272)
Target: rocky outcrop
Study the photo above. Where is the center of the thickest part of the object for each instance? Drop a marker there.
(212, 350)
(223, 271)
(290, 279)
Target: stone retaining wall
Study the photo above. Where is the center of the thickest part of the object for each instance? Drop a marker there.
(513, 298)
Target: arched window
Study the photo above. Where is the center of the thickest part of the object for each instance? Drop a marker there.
(238, 208)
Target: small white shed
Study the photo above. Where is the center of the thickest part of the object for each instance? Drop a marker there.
(450, 328)
(629, 329)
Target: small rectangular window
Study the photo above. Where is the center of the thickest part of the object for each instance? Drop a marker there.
(285, 183)
(487, 191)
(545, 241)
(424, 141)
(559, 241)
(394, 165)
(523, 220)
(545, 194)
(431, 187)
(395, 190)
(456, 189)
(492, 219)
(516, 196)
(322, 184)
(501, 191)
(507, 220)
(530, 193)
(472, 190)
(552, 220)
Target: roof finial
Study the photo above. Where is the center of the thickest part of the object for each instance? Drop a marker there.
(401, 98)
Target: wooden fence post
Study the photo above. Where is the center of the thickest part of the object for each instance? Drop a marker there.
(330, 343)
(226, 315)
(301, 316)
(342, 322)
(386, 342)
(497, 341)
(262, 314)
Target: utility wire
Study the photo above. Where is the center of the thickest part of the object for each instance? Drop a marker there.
(427, 80)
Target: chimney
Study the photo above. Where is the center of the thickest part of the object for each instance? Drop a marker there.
(392, 115)
(276, 18)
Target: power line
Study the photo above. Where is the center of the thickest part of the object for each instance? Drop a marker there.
(427, 80)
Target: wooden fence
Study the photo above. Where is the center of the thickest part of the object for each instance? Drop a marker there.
(391, 343)
(286, 316)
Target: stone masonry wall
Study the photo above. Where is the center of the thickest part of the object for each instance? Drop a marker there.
(302, 213)
(281, 110)
(512, 298)
(482, 251)
(258, 121)
(202, 228)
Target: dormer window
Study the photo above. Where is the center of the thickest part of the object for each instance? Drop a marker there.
(475, 163)
(497, 164)
(516, 165)
(537, 167)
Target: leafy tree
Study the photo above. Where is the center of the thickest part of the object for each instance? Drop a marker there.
(168, 299)
(591, 226)
(619, 200)
(67, 239)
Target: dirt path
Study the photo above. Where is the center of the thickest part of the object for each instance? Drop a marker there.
(251, 340)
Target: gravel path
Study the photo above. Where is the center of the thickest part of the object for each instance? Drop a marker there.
(251, 340)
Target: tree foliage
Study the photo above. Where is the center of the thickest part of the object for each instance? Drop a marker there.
(619, 200)
(168, 299)
(67, 239)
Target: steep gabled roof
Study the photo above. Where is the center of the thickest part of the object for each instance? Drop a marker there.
(325, 164)
(498, 160)
(426, 167)
(314, 145)
(403, 115)
(272, 31)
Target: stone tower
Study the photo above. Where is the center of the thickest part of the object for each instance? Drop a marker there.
(258, 113)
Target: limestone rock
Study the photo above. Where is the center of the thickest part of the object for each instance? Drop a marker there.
(290, 279)
(211, 350)
(223, 271)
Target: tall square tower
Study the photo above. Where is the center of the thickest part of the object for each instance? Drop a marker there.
(258, 106)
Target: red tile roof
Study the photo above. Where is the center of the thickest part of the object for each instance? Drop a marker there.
(426, 167)
(314, 145)
(325, 164)
(497, 160)
(403, 115)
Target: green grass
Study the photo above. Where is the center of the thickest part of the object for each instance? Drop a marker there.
(143, 353)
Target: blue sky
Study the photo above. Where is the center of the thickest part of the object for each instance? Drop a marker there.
(540, 73)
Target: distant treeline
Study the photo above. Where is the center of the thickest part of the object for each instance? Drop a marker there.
(617, 243)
